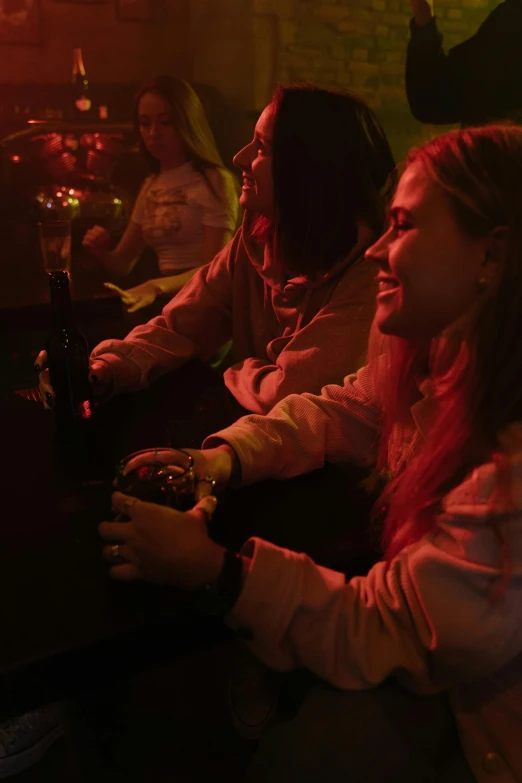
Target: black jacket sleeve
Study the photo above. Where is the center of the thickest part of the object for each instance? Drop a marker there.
(432, 93)
(478, 80)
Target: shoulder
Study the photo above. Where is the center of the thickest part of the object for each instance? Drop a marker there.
(508, 10)
(494, 489)
(506, 18)
(147, 184)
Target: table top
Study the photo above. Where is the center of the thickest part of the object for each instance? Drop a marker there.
(25, 284)
(64, 623)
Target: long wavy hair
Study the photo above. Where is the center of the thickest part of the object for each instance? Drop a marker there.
(332, 169)
(477, 362)
(189, 120)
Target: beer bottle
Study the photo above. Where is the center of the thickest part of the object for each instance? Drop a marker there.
(68, 357)
(82, 101)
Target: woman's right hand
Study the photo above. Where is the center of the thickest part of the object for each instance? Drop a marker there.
(100, 378)
(97, 240)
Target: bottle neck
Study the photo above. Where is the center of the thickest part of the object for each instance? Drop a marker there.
(78, 66)
(82, 101)
(61, 305)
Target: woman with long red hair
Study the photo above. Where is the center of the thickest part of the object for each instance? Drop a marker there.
(434, 630)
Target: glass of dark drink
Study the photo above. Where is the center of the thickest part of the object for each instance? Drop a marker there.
(55, 245)
(162, 475)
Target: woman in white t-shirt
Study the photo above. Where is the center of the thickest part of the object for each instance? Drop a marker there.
(187, 209)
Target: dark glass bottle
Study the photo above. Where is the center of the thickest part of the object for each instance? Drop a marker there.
(81, 97)
(68, 354)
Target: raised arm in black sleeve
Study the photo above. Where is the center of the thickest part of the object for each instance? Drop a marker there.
(432, 93)
(479, 80)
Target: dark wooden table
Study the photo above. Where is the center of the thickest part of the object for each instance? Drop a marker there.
(25, 309)
(65, 626)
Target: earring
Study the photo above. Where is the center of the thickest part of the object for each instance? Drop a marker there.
(482, 283)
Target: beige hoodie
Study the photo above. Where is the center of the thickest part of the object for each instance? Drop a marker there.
(430, 618)
(288, 335)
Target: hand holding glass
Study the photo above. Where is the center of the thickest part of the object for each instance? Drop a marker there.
(163, 475)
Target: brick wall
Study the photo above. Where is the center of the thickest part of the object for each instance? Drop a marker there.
(361, 45)
(242, 48)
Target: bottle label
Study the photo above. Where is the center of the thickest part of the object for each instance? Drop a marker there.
(83, 103)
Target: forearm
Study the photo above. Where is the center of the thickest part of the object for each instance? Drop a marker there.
(168, 286)
(430, 85)
(303, 431)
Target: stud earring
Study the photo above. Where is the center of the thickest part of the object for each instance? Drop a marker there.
(482, 283)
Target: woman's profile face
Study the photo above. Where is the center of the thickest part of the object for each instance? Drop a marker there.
(157, 131)
(429, 268)
(255, 161)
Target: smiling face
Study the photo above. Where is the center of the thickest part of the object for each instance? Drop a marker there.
(158, 133)
(429, 268)
(255, 160)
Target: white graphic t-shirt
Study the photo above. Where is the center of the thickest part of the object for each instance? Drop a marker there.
(173, 207)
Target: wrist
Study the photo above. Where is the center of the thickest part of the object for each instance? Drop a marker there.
(224, 465)
(423, 21)
(211, 563)
(220, 594)
(157, 286)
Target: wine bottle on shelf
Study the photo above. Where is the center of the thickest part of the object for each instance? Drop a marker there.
(68, 357)
(81, 97)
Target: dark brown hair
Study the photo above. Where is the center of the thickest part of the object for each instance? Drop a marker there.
(332, 165)
(189, 120)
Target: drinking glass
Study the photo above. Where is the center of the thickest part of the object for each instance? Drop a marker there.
(161, 475)
(55, 245)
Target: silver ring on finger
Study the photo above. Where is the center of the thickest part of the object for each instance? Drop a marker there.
(208, 479)
(116, 555)
(130, 503)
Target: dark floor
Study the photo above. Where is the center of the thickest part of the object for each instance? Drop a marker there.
(180, 731)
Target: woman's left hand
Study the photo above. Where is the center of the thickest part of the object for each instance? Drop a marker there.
(160, 544)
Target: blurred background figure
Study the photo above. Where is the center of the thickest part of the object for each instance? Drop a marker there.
(187, 209)
(297, 304)
(478, 81)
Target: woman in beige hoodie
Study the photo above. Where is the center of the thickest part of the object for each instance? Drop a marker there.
(292, 289)
(440, 415)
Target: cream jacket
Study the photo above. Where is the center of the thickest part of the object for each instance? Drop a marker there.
(429, 619)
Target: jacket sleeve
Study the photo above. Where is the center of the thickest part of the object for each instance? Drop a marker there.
(304, 430)
(429, 619)
(474, 81)
(327, 349)
(195, 323)
(432, 91)
(485, 64)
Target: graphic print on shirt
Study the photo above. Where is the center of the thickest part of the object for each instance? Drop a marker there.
(163, 213)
